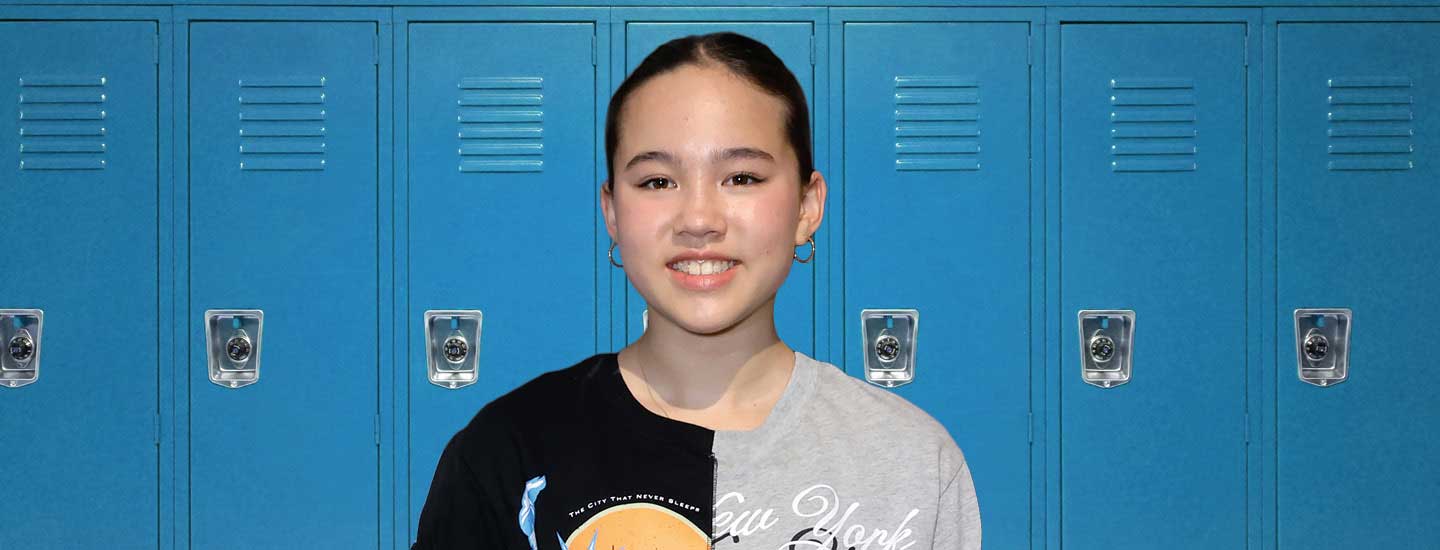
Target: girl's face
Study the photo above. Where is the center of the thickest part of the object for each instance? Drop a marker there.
(704, 171)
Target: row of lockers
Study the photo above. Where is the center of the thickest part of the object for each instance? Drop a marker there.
(345, 170)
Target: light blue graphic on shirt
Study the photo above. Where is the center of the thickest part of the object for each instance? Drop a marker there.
(527, 508)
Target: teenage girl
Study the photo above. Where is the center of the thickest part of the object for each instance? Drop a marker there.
(708, 431)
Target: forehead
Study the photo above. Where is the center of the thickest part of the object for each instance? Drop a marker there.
(696, 108)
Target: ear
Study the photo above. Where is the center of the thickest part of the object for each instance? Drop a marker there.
(812, 208)
(607, 207)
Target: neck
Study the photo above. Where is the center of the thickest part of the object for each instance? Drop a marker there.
(741, 370)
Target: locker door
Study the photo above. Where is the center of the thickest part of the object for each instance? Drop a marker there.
(78, 152)
(283, 214)
(919, 223)
(795, 302)
(1358, 125)
(504, 201)
(1152, 219)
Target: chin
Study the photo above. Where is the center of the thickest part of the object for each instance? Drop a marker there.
(700, 323)
(708, 326)
(708, 319)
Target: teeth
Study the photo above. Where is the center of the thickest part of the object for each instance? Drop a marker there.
(705, 267)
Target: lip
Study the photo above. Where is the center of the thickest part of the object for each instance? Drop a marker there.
(702, 282)
(700, 255)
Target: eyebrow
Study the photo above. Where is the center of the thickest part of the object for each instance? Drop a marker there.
(724, 155)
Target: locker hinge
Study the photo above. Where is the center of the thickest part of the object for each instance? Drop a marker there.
(812, 49)
(156, 51)
(1247, 49)
(1247, 428)
(157, 429)
(594, 55)
(1030, 49)
(377, 430)
(1030, 428)
(375, 49)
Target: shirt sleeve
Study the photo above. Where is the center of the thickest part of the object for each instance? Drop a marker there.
(957, 525)
(468, 506)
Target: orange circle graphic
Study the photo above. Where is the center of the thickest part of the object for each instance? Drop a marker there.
(640, 526)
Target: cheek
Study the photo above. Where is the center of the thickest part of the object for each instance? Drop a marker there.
(638, 222)
(770, 224)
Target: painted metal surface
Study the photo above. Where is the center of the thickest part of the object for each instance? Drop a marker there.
(1152, 149)
(79, 153)
(936, 201)
(500, 236)
(1068, 158)
(283, 176)
(1356, 118)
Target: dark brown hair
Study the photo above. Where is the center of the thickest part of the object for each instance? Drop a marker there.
(745, 57)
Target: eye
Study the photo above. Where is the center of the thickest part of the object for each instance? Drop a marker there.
(745, 178)
(663, 182)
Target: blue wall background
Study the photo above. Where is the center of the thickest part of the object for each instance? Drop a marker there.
(347, 166)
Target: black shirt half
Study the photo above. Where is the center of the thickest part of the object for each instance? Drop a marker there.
(567, 455)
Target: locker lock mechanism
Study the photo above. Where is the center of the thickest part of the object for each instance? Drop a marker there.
(888, 337)
(1317, 347)
(20, 334)
(887, 348)
(456, 350)
(22, 347)
(453, 347)
(1106, 341)
(238, 348)
(233, 344)
(1322, 345)
(1102, 348)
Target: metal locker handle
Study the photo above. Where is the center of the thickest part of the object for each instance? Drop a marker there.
(1322, 345)
(20, 331)
(888, 338)
(1106, 342)
(452, 339)
(232, 339)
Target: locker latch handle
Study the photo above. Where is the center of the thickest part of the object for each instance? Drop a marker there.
(20, 334)
(888, 338)
(232, 339)
(1106, 346)
(1322, 345)
(453, 347)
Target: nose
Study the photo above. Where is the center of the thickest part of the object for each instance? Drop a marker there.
(702, 215)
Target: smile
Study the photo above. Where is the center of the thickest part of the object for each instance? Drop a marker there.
(703, 274)
(702, 267)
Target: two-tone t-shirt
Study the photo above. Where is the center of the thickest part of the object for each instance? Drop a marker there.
(571, 460)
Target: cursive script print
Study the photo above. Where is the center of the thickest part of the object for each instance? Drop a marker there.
(824, 521)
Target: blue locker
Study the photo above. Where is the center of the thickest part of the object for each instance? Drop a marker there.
(1152, 183)
(79, 150)
(791, 42)
(504, 202)
(1357, 127)
(283, 213)
(937, 206)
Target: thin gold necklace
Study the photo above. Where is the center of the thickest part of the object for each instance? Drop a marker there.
(657, 401)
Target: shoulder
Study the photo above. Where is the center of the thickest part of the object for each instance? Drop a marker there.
(549, 399)
(894, 422)
(870, 405)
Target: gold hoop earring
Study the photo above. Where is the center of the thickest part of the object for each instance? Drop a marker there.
(612, 255)
(807, 258)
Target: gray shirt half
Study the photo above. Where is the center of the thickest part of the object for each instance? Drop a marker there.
(843, 465)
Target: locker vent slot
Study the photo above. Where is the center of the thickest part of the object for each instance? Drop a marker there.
(282, 123)
(1152, 125)
(1371, 123)
(937, 123)
(62, 122)
(501, 124)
